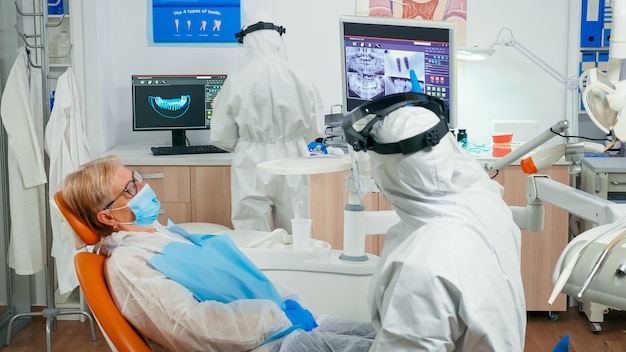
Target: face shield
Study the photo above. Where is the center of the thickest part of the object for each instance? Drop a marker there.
(258, 26)
(358, 124)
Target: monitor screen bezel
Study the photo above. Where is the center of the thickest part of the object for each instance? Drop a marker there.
(400, 22)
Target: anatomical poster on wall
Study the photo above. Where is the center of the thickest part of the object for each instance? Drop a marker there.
(195, 21)
(437, 10)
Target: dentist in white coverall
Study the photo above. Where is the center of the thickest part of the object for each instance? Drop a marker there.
(449, 276)
(268, 110)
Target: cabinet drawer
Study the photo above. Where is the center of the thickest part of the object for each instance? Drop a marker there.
(617, 182)
(170, 183)
(211, 195)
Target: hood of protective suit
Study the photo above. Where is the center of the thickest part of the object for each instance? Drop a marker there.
(421, 185)
(261, 42)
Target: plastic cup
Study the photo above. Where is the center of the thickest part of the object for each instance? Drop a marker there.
(301, 233)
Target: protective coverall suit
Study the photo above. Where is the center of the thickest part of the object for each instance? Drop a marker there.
(268, 110)
(449, 277)
(170, 317)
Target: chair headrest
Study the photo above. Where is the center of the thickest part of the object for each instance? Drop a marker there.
(84, 232)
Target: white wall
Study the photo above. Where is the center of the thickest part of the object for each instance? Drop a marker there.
(505, 87)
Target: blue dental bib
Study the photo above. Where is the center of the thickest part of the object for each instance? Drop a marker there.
(213, 268)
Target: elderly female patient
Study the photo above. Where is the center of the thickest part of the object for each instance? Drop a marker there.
(180, 311)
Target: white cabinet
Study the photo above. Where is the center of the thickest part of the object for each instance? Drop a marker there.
(604, 178)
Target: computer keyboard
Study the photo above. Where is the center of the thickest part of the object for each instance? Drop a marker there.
(189, 149)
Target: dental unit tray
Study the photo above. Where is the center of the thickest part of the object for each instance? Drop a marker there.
(274, 254)
(308, 165)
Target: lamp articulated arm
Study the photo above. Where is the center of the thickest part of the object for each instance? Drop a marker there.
(479, 53)
(541, 189)
(538, 140)
(571, 83)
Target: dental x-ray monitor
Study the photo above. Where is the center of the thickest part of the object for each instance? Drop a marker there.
(174, 102)
(378, 53)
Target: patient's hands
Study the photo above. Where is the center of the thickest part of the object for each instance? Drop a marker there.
(299, 316)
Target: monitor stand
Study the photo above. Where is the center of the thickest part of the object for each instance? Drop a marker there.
(179, 138)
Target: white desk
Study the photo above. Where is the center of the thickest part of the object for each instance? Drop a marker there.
(142, 155)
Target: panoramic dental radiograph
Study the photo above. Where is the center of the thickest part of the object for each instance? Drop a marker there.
(170, 108)
(366, 69)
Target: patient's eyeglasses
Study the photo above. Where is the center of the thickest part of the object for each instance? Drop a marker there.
(131, 188)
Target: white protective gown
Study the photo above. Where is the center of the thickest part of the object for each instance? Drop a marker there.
(66, 145)
(168, 314)
(172, 319)
(21, 110)
(268, 110)
(449, 277)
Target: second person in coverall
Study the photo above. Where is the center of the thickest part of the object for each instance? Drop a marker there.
(268, 110)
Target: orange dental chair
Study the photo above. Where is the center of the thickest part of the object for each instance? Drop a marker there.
(120, 335)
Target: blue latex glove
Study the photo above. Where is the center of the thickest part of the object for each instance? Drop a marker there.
(299, 316)
(316, 148)
(415, 83)
(563, 345)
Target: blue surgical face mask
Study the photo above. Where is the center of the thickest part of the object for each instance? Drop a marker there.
(144, 205)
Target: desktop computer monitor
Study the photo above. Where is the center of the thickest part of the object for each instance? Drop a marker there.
(377, 54)
(174, 102)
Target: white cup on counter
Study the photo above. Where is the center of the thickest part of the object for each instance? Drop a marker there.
(301, 233)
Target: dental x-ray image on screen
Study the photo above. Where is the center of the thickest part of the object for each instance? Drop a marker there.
(378, 54)
(167, 107)
(374, 72)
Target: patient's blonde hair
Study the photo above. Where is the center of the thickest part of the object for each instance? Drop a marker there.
(88, 189)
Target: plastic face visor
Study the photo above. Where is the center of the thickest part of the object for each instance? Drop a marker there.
(358, 123)
(258, 26)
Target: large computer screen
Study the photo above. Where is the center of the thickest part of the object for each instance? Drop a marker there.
(174, 102)
(378, 53)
